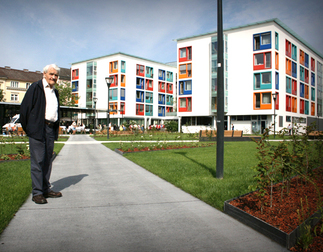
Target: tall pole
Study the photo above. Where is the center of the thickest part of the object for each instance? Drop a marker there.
(220, 98)
(108, 116)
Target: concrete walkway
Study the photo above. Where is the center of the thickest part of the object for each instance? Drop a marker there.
(112, 204)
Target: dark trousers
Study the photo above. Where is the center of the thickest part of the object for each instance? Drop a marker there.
(41, 152)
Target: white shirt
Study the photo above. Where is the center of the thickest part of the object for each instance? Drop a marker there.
(51, 103)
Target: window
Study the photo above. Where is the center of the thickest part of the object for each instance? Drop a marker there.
(301, 90)
(262, 100)
(113, 67)
(294, 52)
(14, 84)
(306, 108)
(14, 97)
(123, 66)
(161, 111)
(76, 101)
(185, 70)
(149, 84)
(262, 80)
(185, 54)
(306, 60)
(122, 94)
(161, 74)
(149, 72)
(185, 104)
(169, 76)
(312, 108)
(276, 60)
(277, 80)
(161, 99)
(161, 86)
(276, 102)
(306, 75)
(301, 106)
(122, 108)
(149, 97)
(276, 41)
(262, 60)
(294, 104)
(139, 109)
(313, 79)
(28, 85)
(312, 64)
(140, 96)
(306, 92)
(169, 88)
(113, 108)
(288, 48)
(288, 66)
(115, 80)
(294, 69)
(75, 74)
(185, 87)
(301, 57)
(139, 83)
(302, 73)
(75, 86)
(294, 87)
(140, 70)
(113, 94)
(123, 80)
(288, 85)
(313, 94)
(149, 110)
(288, 103)
(262, 41)
(169, 100)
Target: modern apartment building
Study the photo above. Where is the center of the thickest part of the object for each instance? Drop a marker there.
(268, 69)
(142, 90)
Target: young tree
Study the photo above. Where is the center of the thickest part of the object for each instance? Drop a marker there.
(65, 94)
(2, 99)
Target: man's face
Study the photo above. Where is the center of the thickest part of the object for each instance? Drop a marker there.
(51, 77)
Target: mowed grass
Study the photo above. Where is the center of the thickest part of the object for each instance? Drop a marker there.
(194, 170)
(15, 187)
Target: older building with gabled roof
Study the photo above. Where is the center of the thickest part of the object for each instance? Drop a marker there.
(15, 83)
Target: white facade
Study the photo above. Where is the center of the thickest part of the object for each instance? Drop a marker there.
(250, 104)
(102, 68)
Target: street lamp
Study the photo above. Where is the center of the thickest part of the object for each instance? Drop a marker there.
(95, 122)
(274, 97)
(108, 80)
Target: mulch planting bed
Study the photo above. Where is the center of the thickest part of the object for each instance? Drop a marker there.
(283, 214)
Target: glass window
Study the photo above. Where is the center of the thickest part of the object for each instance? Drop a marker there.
(266, 98)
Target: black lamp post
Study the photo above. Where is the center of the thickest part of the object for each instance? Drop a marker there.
(95, 122)
(108, 80)
(274, 98)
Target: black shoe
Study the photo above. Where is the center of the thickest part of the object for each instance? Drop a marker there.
(39, 199)
(53, 194)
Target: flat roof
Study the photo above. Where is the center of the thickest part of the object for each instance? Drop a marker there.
(274, 20)
(124, 54)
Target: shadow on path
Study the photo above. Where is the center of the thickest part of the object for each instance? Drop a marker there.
(63, 183)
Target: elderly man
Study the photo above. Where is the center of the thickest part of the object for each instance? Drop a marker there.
(39, 117)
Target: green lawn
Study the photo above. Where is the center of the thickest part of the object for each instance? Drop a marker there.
(194, 170)
(15, 187)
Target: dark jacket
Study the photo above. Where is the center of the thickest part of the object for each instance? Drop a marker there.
(32, 111)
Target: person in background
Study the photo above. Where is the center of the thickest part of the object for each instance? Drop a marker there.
(232, 127)
(39, 117)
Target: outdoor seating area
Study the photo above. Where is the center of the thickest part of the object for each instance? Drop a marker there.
(315, 133)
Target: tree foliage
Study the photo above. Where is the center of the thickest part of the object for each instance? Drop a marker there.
(2, 99)
(65, 94)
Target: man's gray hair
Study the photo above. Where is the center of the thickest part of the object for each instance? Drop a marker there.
(45, 70)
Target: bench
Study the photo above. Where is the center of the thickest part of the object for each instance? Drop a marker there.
(227, 133)
(315, 133)
(120, 133)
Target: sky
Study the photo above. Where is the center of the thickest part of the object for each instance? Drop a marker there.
(34, 33)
